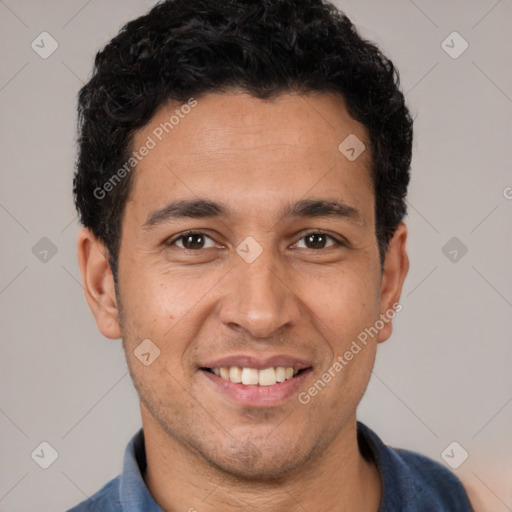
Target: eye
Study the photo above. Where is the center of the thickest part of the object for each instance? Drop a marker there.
(318, 240)
(193, 240)
(197, 240)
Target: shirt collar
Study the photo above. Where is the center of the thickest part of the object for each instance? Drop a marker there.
(133, 492)
(398, 488)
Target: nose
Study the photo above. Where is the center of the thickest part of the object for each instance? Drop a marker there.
(259, 299)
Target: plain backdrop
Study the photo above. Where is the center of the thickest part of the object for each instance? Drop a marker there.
(443, 377)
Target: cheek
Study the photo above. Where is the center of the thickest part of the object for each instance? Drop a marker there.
(343, 309)
(162, 305)
(345, 302)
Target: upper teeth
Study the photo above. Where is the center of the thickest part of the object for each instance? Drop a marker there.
(251, 376)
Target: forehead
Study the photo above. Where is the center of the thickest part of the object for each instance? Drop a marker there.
(250, 152)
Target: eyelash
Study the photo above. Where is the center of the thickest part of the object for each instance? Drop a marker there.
(171, 242)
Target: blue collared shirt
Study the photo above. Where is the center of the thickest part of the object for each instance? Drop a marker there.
(410, 482)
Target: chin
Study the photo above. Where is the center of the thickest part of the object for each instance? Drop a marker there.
(252, 461)
(251, 468)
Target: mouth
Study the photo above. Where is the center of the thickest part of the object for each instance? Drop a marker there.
(257, 382)
(253, 377)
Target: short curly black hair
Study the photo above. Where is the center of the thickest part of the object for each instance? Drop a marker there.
(187, 48)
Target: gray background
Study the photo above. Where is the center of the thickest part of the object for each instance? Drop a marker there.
(445, 374)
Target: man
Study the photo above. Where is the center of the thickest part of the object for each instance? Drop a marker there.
(241, 179)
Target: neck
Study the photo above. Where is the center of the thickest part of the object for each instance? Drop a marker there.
(340, 479)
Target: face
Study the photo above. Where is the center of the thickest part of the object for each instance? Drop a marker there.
(248, 252)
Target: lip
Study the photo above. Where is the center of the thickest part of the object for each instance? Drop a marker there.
(257, 396)
(259, 362)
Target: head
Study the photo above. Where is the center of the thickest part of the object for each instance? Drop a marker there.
(228, 119)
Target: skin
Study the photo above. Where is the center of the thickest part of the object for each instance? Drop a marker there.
(204, 450)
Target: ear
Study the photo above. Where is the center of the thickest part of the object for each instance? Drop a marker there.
(396, 266)
(98, 283)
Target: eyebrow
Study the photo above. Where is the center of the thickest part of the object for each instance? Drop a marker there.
(190, 208)
(322, 208)
(205, 208)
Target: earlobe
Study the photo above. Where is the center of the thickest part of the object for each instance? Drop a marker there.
(98, 283)
(396, 266)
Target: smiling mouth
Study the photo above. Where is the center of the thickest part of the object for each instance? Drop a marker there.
(254, 377)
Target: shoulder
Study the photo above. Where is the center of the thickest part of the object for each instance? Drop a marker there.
(435, 485)
(107, 498)
(412, 482)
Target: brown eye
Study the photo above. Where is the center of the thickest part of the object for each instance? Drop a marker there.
(193, 241)
(318, 241)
